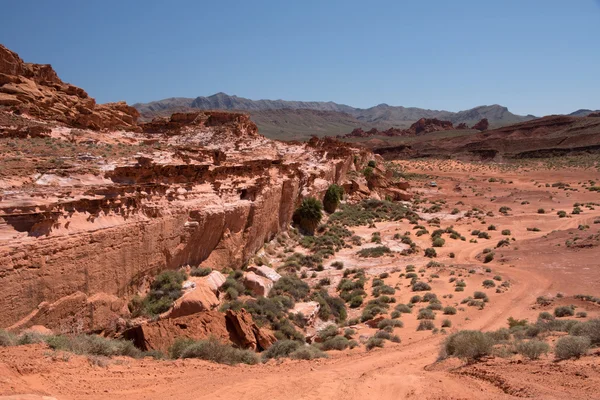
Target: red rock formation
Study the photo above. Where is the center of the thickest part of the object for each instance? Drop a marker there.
(236, 327)
(462, 125)
(594, 115)
(427, 125)
(482, 125)
(36, 90)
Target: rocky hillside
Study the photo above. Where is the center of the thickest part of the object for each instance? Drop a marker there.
(93, 205)
(291, 120)
(543, 137)
(36, 90)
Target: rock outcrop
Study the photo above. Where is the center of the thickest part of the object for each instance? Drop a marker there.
(89, 217)
(420, 127)
(36, 90)
(236, 328)
(482, 125)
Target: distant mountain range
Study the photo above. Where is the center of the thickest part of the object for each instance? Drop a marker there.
(297, 120)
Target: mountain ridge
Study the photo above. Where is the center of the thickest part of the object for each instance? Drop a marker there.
(290, 120)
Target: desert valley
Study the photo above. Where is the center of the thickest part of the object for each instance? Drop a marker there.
(214, 248)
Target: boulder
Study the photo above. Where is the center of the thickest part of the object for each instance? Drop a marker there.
(265, 271)
(215, 280)
(235, 327)
(199, 299)
(245, 333)
(258, 285)
(309, 310)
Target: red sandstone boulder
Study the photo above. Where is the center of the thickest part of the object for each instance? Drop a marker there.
(199, 299)
(258, 285)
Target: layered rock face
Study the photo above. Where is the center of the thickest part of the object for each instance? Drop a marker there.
(89, 216)
(421, 127)
(35, 89)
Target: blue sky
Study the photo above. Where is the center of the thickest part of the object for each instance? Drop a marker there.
(533, 56)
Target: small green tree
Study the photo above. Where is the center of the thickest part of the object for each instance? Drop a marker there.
(332, 199)
(308, 215)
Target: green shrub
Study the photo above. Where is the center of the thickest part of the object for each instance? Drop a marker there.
(488, 283)
(281, 348)
(93, 345)
(488, 258)
(420, 287)
(393, 323)
(446, 323)
(308, 216)
(426, 325)
(335, 343)
(307, 352)
(438, 242)
(448, 310)
(426, 313)
(403, 308)
(430, 252)
(571, 347)
(7, 339)
(374, 342)
(545, 315)
(533, 349)
(333, 196)
(200, 271)
(470, 345)
(564, 311)
(506, 232)
(374, 252)
(589, 329)
(292, 286)
(372, 163)
(215, 351)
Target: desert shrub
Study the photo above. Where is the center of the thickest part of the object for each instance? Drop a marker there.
(429, 296)
(470, 345)
(561, 214)
(533, 349)
(200, 271)
(545, 315)
(308, 215)
(581, 314)
(426, 313)
(337, 264)
(281, 348)
(372, 163)
(93, 345)
(448, 310)
(564, 311)
(420, 287)
(349, 333)
(541, 211)
(374, 342)
(374, 252)
(436, 306)
(480, 296)
(215, 351)
(506, 232)
(307, 352)
(332, 198)
(374, 308)
(589, 329)
(571, 347)
(438, 242)
(394, 323)
(164, 290)
(330, 331)
(292, 286)
(488, 283)
(335, 343)
(425, 325)
(403, 308)
(356, 301)
(488, 257)
(483, 235)
(430, 252)
(446, 323)
(383, 289)
(7, 339)
(330, 306)
(491, 228)
(31, 338)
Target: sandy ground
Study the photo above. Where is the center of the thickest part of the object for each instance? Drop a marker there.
(538, 263)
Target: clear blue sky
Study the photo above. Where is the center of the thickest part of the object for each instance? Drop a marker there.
(533, 56)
